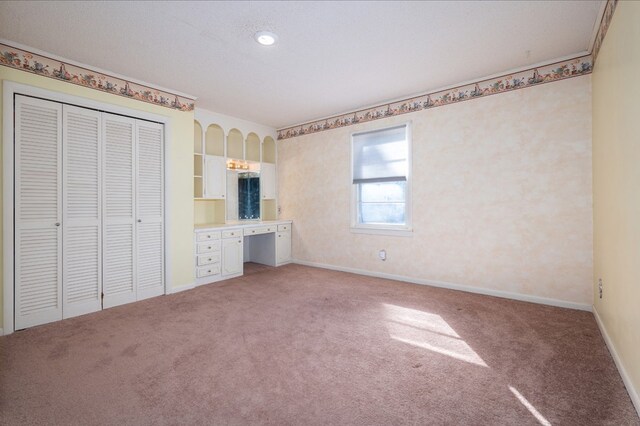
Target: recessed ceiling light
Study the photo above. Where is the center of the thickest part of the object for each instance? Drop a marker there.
(265, 38)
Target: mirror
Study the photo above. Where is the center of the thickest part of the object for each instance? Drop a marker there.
(243, 191)
(249, 196)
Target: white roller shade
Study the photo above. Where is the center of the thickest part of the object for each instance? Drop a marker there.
(381, 155)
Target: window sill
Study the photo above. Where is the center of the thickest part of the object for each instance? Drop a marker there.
(393, 232)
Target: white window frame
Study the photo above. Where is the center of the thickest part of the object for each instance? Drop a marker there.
(404, 230)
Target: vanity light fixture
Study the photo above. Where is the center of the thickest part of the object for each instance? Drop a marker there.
(237, 165)
(265, 38)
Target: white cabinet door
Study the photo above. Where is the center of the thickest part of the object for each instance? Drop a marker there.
(82, 207)
(232, 256)
(215, 173)
(268, 181)
(150, 209)
(283, 247)
(119, 262)
(38, 212)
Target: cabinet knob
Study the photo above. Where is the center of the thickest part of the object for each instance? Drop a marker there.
(139, 220)
(223, 196)
(57, 223)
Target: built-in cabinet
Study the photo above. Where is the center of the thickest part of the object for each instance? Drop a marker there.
(232, 255)
(221, 250)
(283, 244)
(219, 160)
(88, 224)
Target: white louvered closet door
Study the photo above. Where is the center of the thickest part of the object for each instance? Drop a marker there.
(150, 209)
(38, 212)
(82, 211)
(119, 265)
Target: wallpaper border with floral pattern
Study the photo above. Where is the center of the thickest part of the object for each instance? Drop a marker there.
(23, 60)
(540, 75)
(604, 26)
(553, 72)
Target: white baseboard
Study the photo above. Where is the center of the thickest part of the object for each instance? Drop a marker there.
(633, 393)
(182, 288)
(451, 286)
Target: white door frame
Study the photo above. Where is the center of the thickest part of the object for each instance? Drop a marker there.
(11, 88)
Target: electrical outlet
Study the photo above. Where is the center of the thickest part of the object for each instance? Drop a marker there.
(600, 287)
(382, 254)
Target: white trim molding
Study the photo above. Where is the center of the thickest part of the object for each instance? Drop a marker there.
(182, 288)
(9, 89)
(452, 286)
(626, 379)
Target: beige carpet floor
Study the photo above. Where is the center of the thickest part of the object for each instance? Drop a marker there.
(298, 345)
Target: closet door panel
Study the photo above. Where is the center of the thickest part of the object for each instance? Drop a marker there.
(150, 209)
(81, 225)
(38, 212)
(119, 259)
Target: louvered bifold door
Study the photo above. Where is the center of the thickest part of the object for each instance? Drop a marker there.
(150, 209)
(119, 245)
(82, 210)
(38, 212)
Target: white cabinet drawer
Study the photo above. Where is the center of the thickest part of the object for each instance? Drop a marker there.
(284, 228)
(208, 270)
(206, 259)
(259, 230)
(207, 236)
(209, 247)
(232, 234)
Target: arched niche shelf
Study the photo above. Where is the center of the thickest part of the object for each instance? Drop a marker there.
(214, 140)
(235, 144)
(269, 150)
(198, 161)
(252, 147)
(197, 137)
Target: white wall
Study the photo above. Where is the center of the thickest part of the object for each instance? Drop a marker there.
(501, 195)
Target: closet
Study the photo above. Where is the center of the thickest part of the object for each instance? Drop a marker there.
(89, 202)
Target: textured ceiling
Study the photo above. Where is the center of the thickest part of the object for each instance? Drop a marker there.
(332, 57)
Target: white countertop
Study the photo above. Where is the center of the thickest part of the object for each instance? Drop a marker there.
(239, 224)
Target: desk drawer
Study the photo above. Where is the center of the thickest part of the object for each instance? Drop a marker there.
(284, 228)
(259, 230)
(208, 270)
(206, 259)
(232, 234)
(209, 247)
(207, 236)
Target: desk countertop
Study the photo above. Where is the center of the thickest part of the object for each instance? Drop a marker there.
(239, 224)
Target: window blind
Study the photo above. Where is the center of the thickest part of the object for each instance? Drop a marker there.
(381, 155)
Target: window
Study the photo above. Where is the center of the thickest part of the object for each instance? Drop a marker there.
(381, 185)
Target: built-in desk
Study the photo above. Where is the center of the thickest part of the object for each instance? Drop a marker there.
(221, 250)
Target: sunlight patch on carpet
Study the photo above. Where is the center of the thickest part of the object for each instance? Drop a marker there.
(530, 407)
(428, 331)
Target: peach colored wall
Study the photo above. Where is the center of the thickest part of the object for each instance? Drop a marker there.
(616, 184)
(501, 195)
